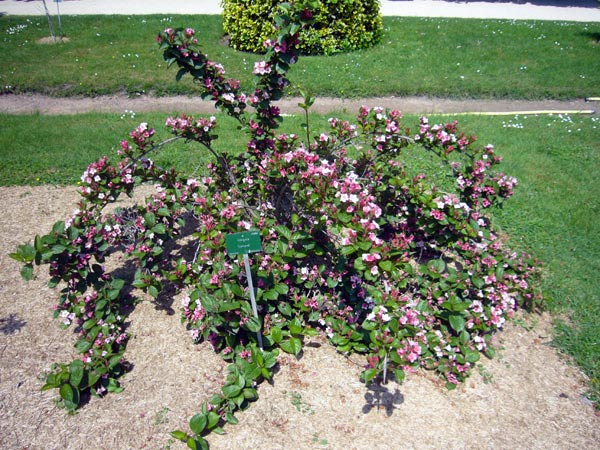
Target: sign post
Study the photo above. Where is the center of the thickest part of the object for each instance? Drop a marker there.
(244, 243)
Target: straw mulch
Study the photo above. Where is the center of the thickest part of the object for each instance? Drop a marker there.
(527, 398)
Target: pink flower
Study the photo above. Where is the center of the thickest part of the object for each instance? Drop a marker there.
(437, 214)
(261, 68)
(411, 351)
(247, 355)
(371, 257)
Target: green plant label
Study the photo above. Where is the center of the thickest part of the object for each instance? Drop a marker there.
(243, 243)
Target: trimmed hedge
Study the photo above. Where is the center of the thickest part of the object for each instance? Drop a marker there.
(339, 25)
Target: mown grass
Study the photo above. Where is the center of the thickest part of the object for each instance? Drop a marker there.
(553, 214)
(417, 56)
(37, 149)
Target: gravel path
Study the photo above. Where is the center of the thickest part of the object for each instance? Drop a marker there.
(32, 103)
(571, 10)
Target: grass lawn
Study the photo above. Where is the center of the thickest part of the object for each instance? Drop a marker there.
(417, 56)
(554, 213)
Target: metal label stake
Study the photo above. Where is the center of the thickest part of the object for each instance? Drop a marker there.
(244, 243)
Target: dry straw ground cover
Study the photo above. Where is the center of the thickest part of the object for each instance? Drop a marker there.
(527, 398)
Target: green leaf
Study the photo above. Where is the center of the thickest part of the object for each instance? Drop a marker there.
(153, 291)
(117, 283)
(76, 372)
(101, 305)
(284, 231)
(368, 325)
(271, 358)
(83, 346)
(386, 266)
(159, 228)
(344, 217)
(399, 374)
(266, 373)
(282, 288)
(179, 435)
(252, 371)
(359, 264)
(38, 244)
(369, 374)
(58, 227)
(237, 290)
(348, 250)
(285, 309)
(198, 423)
(149, 219)
(231, 419)
(295, 326)
(478, 282)
(499, 272)
(58, 249)
(490, 352)
(111, 294)
(457, 322)
(113, 386)
(213, 419)
(253, 324)
(114, 361)
(231, 390)
(68, 394)
(27, 272)
(199, 443)
(25, 253)
(163, 212)
(271, 294)
(450, 386)
(139, 283)
(228, 306)
(276, 334)
(472, 356)
(94, 376)
(250, 394)
(52, 381)
(292, 345)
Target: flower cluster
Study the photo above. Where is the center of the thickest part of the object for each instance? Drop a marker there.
(192, 129)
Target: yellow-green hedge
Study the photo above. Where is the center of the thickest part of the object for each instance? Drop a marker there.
(339, 26)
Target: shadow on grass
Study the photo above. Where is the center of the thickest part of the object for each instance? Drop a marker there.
(594, 36)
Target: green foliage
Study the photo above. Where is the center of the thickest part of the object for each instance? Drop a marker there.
(337, 26)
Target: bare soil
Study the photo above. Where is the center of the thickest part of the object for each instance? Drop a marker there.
(529, 397)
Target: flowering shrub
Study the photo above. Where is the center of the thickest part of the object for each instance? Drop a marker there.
(354, 248)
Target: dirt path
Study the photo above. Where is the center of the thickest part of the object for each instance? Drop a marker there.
(31, 103)
(527, 398)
